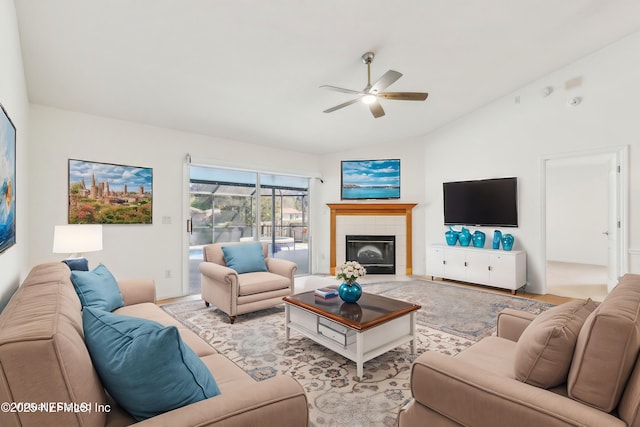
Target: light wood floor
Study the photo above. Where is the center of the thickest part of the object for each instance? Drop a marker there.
(307, 283)
(577, 280)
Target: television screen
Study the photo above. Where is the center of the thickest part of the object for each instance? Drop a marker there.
(488, 202)
(370, 179)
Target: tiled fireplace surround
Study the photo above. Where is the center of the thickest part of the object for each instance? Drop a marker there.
(393, 219)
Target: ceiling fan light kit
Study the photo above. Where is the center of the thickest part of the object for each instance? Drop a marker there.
(370, 94)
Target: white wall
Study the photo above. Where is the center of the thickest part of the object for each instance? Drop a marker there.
(411, 155)
(509, 138)
(577, 213)
(13, 96)
(131, 251)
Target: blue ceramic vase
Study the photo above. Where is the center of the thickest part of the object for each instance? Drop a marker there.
(507, 242)
(464, 237)
(350, 292)
(478, 239)
(497, 236)
(452, 237)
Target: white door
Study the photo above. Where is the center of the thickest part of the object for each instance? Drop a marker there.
(455, 264)
(435, 261)
(478, 266)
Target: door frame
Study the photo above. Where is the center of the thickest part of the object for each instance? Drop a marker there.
(186, 217)
(620, 155)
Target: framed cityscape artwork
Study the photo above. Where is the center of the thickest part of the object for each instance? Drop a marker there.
(7, 181)
(104, 193)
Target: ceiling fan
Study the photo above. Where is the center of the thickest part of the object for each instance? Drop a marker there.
(370, 94)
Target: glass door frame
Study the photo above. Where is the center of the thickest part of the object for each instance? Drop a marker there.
(258, 214)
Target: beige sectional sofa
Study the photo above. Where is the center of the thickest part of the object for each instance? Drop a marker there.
(582, 371)
(43, 359)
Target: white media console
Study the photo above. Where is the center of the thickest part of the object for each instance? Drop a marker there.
(492, 267)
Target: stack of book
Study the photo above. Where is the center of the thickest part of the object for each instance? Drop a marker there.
(327, 292)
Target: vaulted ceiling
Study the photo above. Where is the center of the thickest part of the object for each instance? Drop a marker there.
(250, 70)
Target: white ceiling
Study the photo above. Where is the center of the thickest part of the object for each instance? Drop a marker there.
(250, 70)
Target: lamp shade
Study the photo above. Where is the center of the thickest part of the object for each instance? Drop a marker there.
(77, 238)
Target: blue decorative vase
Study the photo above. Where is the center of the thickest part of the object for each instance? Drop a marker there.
(478, 239)
(507, 242)
(350, 293)
(497, 236)
(465, 237)
(452, 237)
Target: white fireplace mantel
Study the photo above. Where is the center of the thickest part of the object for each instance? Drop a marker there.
(372, 209)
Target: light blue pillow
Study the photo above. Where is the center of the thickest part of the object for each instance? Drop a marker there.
(145, 367)
(245, 257)
(97, 288)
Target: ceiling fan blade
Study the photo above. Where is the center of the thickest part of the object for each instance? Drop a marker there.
(344, 104)
(385, 81)
(340, 89)
(404, 96)
(376, 109)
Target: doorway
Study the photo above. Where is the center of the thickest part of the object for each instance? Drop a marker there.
(584, 223)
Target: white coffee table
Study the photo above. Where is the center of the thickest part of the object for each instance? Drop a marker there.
(358, 331)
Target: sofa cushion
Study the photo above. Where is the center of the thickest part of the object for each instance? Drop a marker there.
(245, 258)
(607, 347)
(145, 366)
(545, 349)
(259, 282)
(97, 288)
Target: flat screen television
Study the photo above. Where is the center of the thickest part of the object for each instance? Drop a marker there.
(487, 202)
(370, 179)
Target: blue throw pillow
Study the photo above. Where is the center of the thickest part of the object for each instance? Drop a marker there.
(245, 257)
(80, 264)
(145, 367)
(97, 288)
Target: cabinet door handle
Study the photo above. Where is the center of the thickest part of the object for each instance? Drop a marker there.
(489, 267)
(444, 261)
(465, 263)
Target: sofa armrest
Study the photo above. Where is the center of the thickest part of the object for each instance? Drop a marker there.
(511, 323)
(137, 291)
(476, 397)
(282, 267)
(218, 273)
(277, 401)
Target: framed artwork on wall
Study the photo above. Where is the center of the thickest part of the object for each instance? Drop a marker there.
(370, 179)
(104, 193)
(7, 181)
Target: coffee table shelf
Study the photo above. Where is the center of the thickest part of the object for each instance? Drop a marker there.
(358, 331)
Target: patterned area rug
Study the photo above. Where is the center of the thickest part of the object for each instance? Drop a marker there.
(451, 319)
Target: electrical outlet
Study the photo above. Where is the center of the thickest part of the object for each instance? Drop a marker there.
(167, 274)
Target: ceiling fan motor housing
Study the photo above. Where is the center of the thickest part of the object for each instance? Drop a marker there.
(367, 58)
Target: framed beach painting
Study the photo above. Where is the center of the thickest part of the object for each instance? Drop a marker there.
(7, 181)
(370, 179)
(105, 193)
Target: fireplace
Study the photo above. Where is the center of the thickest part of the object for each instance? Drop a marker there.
(377, 254)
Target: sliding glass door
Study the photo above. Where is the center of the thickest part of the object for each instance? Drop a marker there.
(284, 203)
(227, 205)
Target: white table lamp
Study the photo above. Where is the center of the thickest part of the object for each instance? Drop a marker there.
(75, 239)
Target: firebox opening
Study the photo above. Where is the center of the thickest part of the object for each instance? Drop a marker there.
(375, 253)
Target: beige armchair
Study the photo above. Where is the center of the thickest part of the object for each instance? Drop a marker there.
(573, 365)
(236, 293)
